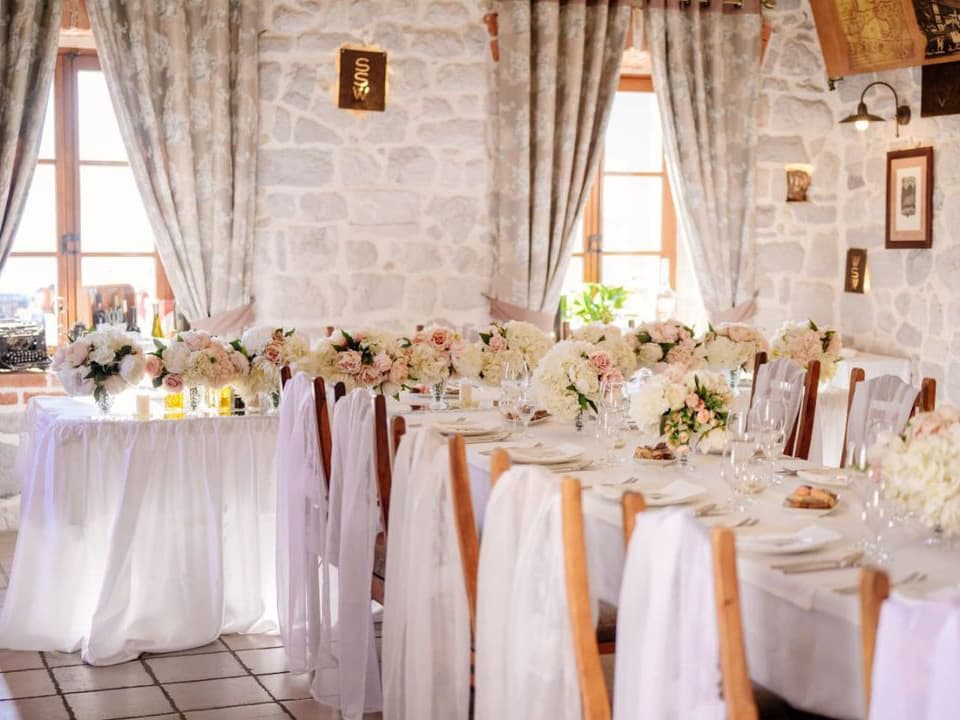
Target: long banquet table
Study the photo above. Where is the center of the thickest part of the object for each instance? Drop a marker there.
(803, 639)
(141, 535)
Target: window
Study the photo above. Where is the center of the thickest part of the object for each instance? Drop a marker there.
(629, 230)
(84, 238)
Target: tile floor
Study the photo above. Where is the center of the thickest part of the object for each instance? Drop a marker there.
(238, 677)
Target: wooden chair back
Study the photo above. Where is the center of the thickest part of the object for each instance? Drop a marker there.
(329, 330)
(927, 399)
(802, 435)
(857, 375)
(384, 458)
(467, 536)
(759, 359)
(593, 690)
(631, 504)
(499, 464)
(737, 690)
(398, 427)
(565, 331)
(874, 589)
(419, 328)
(285, 376)
(339, 390)
(323, 425)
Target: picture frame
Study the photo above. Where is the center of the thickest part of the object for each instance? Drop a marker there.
(909, 221)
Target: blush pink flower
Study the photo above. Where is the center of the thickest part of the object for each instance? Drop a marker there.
(153, 366)
(440, 338)
(692, 401)
(704, 416)
(197, 340)
(601, 360)
(173, 383)
(498, 343)
(399, 371)
(349, 362)
(382, 362)
(273, 352)
(612, 375)
(369, 376)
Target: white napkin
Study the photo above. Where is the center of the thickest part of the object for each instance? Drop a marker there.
(677, 492)
(809, 536)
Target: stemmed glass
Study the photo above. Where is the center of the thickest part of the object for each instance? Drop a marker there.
(767, 425)
(525, 407)
(516, 373)
(613, 405)
(738, 469)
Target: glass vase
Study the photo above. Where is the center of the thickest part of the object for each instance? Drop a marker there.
(734, 378)
(104, 401)
(436, 392)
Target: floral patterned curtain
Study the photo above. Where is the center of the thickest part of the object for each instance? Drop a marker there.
(29, 32)
(706, 73)
(556, 79)
(183, 79)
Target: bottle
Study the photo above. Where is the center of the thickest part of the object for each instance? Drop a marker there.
(157, 331)
(99, 316)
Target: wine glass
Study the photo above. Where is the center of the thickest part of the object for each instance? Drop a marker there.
(525, 408)
(508, 403)
(516, 372)
(613, 404)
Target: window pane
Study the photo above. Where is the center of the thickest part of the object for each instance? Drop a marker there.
(112, 218)
(632, 213)
(638, 274)
(111, 274)
(634, 141)
(574, 277)
(28, 292)
(99, 133)
(37, 231)
(48, 143)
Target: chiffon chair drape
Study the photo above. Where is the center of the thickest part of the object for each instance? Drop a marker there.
(426, 622)
(301, 525)
(881, 404)
(917, 660)
(525, 663)
(783, 379)
(667, 641)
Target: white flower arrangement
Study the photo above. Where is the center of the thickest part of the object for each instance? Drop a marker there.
(659, 345)
(921, 468)
(510, 341)
(195, 359)
(731, 346)
(437, 354)
(611, 339)
(104, 362)
(679, 408)
(805, 342)
(268, 349)
(361, 358)
(568, 378)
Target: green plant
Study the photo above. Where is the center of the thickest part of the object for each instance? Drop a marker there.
(599, 303)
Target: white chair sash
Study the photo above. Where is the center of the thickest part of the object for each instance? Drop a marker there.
(667, 644)
(301, 524)
(880, 404)
(525, 663)
(426, 621)
(350, 676)
(917, 661)
(782, 378)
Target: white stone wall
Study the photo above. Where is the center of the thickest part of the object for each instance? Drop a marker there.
(913, 304)
(381, 218)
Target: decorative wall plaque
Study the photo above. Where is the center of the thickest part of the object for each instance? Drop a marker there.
(363, 79)
(855, 276)
(941, 90)
(910, 198)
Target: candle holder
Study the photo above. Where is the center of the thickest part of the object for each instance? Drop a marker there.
(798, 182)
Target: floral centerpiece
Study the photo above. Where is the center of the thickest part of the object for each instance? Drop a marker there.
(611, 339)
(731, 348)
(437, 354)
(682, 408)
(567, 380)
(658, 345)
(510, 341)
(364, 358)
(195, 359)
(805, 342)
(103, 363)
(267, 349)
(921, 468)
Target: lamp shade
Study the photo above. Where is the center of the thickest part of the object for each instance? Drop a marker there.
(862, 116)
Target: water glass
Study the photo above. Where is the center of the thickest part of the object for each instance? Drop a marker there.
(508, 403)
(525, 408)
(516, 373)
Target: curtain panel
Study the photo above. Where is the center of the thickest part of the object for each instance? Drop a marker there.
(183, 79)
(555, 83)
(29, 33)
(706, 73)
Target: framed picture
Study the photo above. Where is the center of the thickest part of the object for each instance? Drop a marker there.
(910, 198)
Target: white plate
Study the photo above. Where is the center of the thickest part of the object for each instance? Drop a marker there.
(544, 453)
(809, 538)
(466, 427)
(679, 492)
(827, 477)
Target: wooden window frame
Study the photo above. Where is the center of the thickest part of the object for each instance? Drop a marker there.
(69, 246)
(591, 250)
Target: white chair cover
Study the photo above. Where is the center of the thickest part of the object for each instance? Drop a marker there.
(667, 664)
(301, 524)
(883, 403)
(525, 663)
(426, 620)
(349, 675)
(782, 378)
(917, 661)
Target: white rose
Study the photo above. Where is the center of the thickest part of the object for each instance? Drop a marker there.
(131, 368)
(175, 357)
(585, 379)
(102, 354)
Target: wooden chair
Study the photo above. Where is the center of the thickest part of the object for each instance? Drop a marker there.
(927, 399)
(857, 375)
(467, 536)
(323, 425)
(593, 689)
(285, 376)
(339, 390)
(801, 437)
(499, 464)
(631, 504)
(329, 330)
(384, 468)
(874, 590)
(759, 359)
(737, 690)
(565, 331)
(398, 427)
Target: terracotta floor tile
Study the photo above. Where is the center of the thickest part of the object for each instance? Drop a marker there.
(286, 686)
(108, 704)
(252, 642)
(25, 683)
(78, 678)
(43, 708)
(265, 660)
(56, 659)
(311, 710)
(217, 693)
(195, 667)
(19, 660)
(215, 646)
(266, 711)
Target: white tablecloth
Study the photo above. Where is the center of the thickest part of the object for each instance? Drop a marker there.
(873, 365)
(141, 536)
(803, 640)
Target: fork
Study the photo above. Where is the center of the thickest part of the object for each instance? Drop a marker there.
(911, 578)
(746, 522)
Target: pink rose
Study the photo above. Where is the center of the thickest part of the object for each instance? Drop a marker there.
(692, 401)
(601, 360)
(382, 362)
(704, 416)
(153, 366)
(399, 371)
(273, 352)
(278, 335)
(349, 362)
(498, 343)
(369, 376)
(197, 340)
(440, 338)
(173, 383)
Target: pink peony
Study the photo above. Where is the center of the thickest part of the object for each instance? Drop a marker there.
(440, 338)
(382, 362)
(498, 343)
(369, 376)
(197, 340)
(349, 362)
(173, 383)
(153, 366)
(601, 360)
(692, 401)
(704, 416)
(399, 371)
(273, 352)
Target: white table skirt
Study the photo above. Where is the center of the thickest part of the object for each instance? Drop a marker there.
(141, 536)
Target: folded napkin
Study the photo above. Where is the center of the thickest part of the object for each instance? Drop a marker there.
(544, 454)
(809, 536)
(830, 477)
(677, 492)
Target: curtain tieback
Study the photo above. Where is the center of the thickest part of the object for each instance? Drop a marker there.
(502, 310)
(229, 322)
(739, 313)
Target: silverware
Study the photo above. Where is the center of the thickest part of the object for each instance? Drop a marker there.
(847, 561)
(746, 522)
(705, 510)
(854, 589)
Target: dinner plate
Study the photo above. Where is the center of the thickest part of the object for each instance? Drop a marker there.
(679, 492)
(827, 477)
(466, 427)
(812, 537)
(650, 462)
(544, 453)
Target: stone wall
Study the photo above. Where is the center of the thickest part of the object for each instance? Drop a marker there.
(914, 295)
(374, 217)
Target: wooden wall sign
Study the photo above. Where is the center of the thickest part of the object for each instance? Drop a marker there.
(855, 276)
(941, 90)
(363, 79)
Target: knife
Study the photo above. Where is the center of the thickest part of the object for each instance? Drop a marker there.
(849, 561)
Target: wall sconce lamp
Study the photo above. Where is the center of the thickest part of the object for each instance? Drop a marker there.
(862, 118)
(798, 182)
